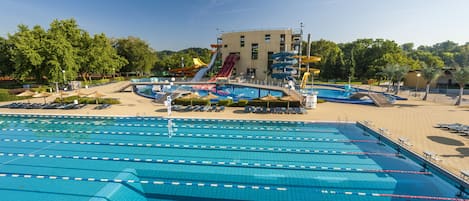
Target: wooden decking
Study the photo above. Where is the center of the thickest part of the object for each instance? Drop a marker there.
(379, 99)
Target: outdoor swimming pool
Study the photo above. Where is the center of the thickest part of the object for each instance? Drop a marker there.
(223, 92)
(138, 158)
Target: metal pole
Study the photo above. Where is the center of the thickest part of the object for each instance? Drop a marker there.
(299, 50)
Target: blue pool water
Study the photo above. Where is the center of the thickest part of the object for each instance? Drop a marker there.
(223, 92)
(139, 158)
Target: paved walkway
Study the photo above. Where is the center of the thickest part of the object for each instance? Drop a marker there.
(413, 119)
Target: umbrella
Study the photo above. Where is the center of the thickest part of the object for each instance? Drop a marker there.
(42, 95)
(210, 96)
(26, 93)
(95, 95)
(62, 94)
(269, 98)
(288, 99)
(77, 93)
(191, 95)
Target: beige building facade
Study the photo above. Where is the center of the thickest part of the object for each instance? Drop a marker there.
(255, 49)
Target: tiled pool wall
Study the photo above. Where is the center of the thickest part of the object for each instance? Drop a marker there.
(426, 164)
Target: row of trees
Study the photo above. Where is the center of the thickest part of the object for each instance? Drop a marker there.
(380, 59)
(66, 52)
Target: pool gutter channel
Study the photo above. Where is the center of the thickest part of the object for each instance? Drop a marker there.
(426, 164)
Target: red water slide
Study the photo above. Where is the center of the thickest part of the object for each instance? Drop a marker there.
(227, 67)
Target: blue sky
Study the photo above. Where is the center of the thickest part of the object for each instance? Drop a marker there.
(179, 24)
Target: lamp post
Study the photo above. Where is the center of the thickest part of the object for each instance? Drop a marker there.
(63, 73)
(417, 83)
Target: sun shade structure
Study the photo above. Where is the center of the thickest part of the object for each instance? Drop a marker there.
(288, 99)
(210, 96)
(26, 93)
(269, 98)
(42, 95)
(191, 95)
(78, 93)
(96, 95)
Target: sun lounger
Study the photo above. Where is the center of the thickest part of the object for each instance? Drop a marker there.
(103, 106)
(212, 108)
(448, 126)
(205, 109)
(431, 156)
(465, 174)
(221, 108)
(459, 129)
(404, 141)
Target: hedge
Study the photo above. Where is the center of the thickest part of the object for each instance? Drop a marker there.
(85, 100)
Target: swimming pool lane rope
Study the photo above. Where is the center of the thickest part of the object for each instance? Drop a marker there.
(390, 195)
(198, 146)
(215, 163)
(164, 125)
(213, 185)
(145, 182)
(198, 135)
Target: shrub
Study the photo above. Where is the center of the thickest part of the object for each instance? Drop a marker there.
(5, 95)
(240, 103)
(86, 100)
(321, 100)
(119, 79)
(225, 102)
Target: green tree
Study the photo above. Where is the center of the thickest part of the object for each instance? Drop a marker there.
(6, 66)
(101, 58)
(332, 63)
(399, 73)
(461, 76)
(26, 52)
(430, 74)
(141, 58)
(388, 74)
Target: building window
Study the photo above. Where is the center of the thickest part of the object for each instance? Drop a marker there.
(282, 38)
(254, 51)
(270, 61)
(267, 38)
(282, 43)
(241, 41)
(251, 73)
(225, 46)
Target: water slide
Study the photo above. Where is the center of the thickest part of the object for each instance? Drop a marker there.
(198, 62)
(198, 76)
(283, 68)
(227, 67)
(304, 80)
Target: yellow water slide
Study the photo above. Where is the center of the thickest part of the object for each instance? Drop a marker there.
(311, 59)
(198, 62)
(306, 60)
(304, 80)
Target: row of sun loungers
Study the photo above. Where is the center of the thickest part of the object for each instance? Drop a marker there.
(275, 110)
(102, 106)
(198, 108)
(457, 128)
(44, 106)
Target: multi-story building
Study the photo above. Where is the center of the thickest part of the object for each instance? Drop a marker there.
(255, 49)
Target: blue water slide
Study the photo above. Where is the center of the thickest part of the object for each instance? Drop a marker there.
(282, 55)
(198, 76)
(280, 65)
